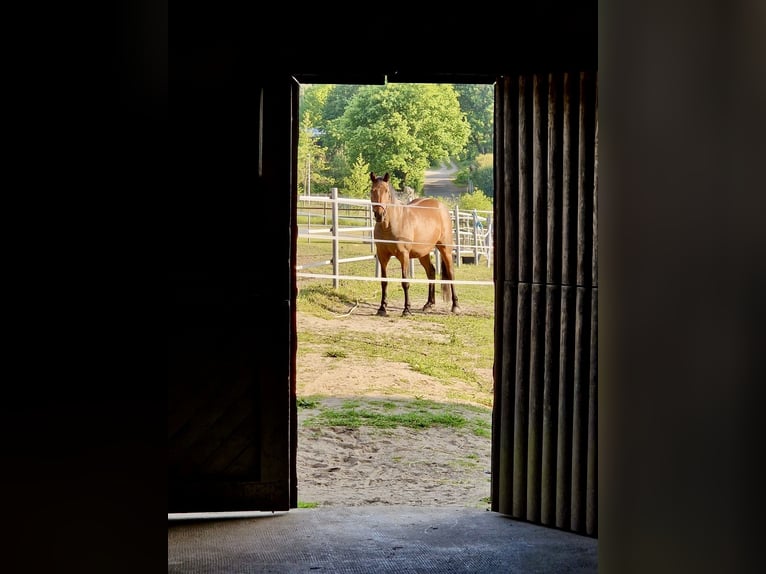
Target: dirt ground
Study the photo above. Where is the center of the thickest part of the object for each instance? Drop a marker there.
(339, 466)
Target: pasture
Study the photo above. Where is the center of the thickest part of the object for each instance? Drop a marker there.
(462, 353)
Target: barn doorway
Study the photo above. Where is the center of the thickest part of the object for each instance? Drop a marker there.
(392, 410)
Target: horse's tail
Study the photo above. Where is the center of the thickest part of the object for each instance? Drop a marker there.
(446, 292)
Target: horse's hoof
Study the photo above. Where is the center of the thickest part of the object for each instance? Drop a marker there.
(382, 313)
(456, 310)
(406, 312)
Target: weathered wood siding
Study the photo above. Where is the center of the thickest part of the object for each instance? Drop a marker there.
(230, 324)
(546, 364)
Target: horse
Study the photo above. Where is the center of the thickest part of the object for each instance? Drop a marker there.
(411, 230)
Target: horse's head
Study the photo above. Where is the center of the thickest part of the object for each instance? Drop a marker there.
(380, 195)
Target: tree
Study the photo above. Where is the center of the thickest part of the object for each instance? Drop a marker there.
(313, 100)
(358, 183)
(475, 200)
(404, 128)
(483, 176)
(311, 161)
(477, 101)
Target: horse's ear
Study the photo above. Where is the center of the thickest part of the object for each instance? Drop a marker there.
(372, 175)
(385, 177)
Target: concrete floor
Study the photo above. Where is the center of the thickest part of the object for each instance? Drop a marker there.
(372, 539)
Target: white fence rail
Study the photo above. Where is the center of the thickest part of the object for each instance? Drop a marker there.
(472, 235)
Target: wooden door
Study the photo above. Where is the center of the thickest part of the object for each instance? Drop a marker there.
(231, 330)
(544, 440)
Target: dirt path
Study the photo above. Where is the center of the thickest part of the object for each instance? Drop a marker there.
(438, 182)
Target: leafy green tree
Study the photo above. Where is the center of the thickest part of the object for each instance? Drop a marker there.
(312, 163)
(483, 174)
(326, 104)
(475, 200)
(484, 180)
(404, 128)
(357, 184)
(313, 101)
(478, 103)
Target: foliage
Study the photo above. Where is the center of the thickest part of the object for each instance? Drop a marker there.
(311, 161)
(478, 103)
(475, 200)
(403, 128)
(313, 102)
(484, 180)
(480, 172)
(357, 184)
(399, 128)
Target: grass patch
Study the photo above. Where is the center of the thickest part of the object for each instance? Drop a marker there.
(416, 414)
(302, 504)
(356, 417)
(307, 402)
(336, 354)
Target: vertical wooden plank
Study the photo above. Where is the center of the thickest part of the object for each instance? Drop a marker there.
(591, 502)
(563, 445)
(521, 402)
(535, 406)
(539, 186)
(553, 236)
(506, 479)
(584, 176)
(594, 264)
(524, 253)
(550, 386)
(579, 412)
(567, 200)
(510, 214)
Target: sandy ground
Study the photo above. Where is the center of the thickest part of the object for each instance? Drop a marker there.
(339, 466)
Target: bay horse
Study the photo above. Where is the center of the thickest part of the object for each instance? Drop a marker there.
(408, 231)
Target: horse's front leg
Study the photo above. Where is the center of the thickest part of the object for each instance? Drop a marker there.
(383, 288)
(405, 261)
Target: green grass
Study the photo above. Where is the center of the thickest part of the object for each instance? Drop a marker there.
(415, 414)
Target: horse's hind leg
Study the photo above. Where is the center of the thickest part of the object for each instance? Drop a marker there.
(425, 261)
(448, 272)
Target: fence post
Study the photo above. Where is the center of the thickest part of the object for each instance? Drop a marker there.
(475, 238)
(489, 244)
(335, 263)
(457, 235)
(369, 223)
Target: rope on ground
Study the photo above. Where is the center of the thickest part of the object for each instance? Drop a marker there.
(349, 311)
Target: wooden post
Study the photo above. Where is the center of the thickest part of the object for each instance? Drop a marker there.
(475, 238)
(334, 230)
(457, 235)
